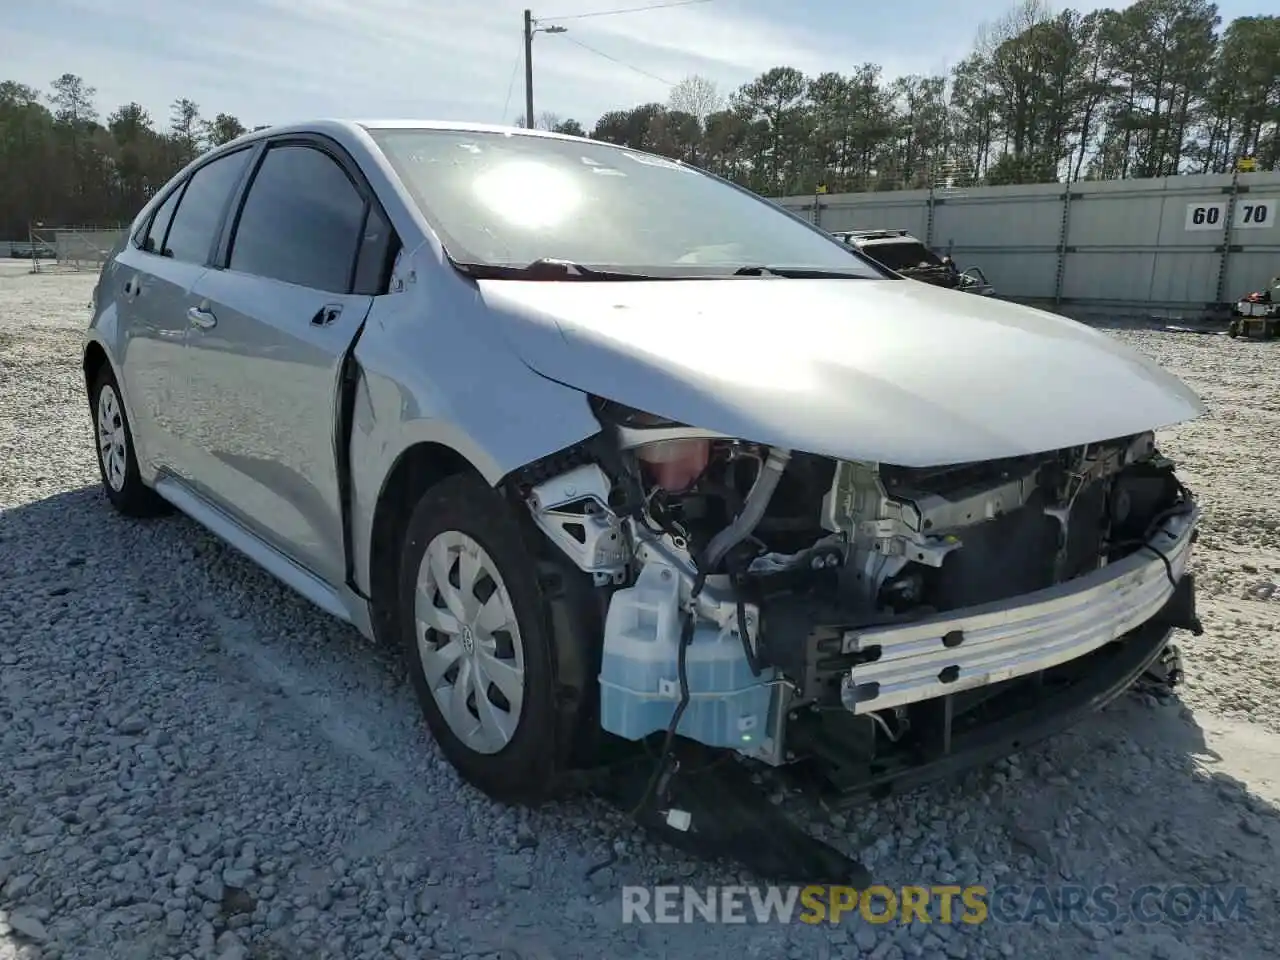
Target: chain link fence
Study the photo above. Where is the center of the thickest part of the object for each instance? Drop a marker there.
(66, 249)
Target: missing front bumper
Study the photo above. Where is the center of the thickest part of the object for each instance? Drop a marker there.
(980, 646)
(944, 743)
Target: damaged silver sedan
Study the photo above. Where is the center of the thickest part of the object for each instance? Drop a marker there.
(631, 462)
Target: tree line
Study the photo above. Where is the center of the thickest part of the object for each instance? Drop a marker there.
(62, 165)
(1157, 89)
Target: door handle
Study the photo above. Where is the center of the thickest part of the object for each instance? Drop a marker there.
(326, 315)
(202, 318)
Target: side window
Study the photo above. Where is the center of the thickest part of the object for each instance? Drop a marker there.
(153, 237)
(199, 213)
(301, 223)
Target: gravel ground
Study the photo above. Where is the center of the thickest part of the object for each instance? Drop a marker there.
(196, 763)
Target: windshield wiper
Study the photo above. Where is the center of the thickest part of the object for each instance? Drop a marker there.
(546, 268)
(553, 269)
(798, 273)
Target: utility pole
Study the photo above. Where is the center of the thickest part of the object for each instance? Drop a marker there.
(528, 69)
(529, 31)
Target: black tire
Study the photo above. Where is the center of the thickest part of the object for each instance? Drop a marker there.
(125, 488)
(527, 769)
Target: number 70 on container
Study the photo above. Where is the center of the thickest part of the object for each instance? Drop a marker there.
(1249, 215)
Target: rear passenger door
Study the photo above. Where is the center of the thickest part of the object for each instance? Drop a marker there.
(306, 252)
(151, 282)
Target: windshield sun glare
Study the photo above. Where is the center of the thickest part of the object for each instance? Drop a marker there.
(528, 194)
(499, 199)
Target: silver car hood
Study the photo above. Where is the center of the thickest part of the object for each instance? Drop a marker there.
(881, 370)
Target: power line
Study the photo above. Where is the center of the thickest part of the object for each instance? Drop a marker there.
(611, 13)
(622, 63)
(511, 83)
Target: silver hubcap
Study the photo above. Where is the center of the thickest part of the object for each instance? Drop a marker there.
(469, 643)
(112, 442)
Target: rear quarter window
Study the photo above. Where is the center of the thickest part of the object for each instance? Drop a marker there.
(152, 233)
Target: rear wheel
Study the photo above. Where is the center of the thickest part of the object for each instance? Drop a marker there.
(478, 644)
(117, 462)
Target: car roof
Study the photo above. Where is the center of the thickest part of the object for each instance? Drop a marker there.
(344, 128)
(876, 236)
(896, 238)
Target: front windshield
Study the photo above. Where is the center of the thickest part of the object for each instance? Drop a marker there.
(902, 254)
(503, 199)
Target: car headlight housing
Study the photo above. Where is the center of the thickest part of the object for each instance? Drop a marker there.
(669, 456)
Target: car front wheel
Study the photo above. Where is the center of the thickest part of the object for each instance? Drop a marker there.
(117, 462)
(478, 645)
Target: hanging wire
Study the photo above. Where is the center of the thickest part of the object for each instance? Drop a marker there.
(511, 83)
(612, 13)
(623, 63)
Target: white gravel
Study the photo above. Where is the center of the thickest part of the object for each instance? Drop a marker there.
(196, 763)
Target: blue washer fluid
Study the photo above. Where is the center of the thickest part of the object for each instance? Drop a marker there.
(639, 678)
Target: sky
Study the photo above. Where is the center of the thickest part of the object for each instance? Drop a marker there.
(275, 61)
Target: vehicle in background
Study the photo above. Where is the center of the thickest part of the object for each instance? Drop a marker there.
(626, 459)
(1257, 314)
(902, 253)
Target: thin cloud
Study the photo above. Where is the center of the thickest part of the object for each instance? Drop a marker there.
(274, 60)
(715, 36)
